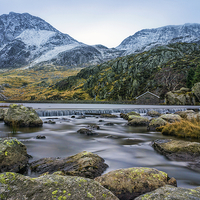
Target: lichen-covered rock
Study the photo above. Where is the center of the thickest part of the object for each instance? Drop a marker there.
(13, 156)
(171, 117)
(126, 116)
(84, 164)
(196, 90)
(153, 113)
(3, 112)
(22, 116)
(16, 186)
(135, 120)
(189, 114)
(155, 123)
(169, 192)
(129, 183)
(180, 150)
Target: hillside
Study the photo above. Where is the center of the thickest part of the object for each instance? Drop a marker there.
(158, 70)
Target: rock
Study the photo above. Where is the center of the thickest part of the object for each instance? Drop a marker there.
(84, 164)
(135, 120)
(180, 150)
(22, 116)
(81, 117)
(49, 122)
(155, 123)
(196, 90)
(108, 116)
(126, 116)
(129, 183)
(73, 116)
(13, 156)
(189, 114)
(94, 126)
(180, 98)
(2, 97)
(40, 137)
(170, 192)
(17, 186)
(3, 112)
(171, 117)
(153, 113)
(109, 124)
(86, 131)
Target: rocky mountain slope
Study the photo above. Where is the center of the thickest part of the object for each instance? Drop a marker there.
(158, 70)
(26, 40)
(146, 39)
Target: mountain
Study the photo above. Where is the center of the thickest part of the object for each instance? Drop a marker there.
(158, 70)
(26, 40)
(148, 38)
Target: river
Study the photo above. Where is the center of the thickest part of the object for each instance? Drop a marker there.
(121, 146)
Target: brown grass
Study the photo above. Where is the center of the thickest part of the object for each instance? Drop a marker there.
(184, 129)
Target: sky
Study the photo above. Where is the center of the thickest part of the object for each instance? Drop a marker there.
(106, 22)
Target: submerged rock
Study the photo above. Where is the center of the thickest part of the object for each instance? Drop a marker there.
(16, 186)
(86, 131)
(22, 116)
(129, 183)
(84, 164)
(13, 156)
(180, 150)
(170, 192)
(135, 120)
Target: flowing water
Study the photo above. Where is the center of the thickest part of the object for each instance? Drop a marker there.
(121, 146)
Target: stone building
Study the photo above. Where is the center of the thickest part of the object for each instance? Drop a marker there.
(148, 98)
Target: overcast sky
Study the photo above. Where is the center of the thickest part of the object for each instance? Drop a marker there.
(106, 22)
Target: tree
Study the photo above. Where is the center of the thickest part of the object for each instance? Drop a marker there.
(190, 77)
(196, 78)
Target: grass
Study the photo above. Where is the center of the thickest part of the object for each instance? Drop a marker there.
(183, 129)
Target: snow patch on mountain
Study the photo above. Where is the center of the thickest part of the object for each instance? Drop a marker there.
(33, 37)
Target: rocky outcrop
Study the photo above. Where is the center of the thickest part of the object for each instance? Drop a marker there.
(2, 97)
(129, 183)
(13, 156)
(84, 164)
(22, 116)
(180, 97)
(155, 123)
(171, 192)
(196, 90)
(180, 150)
(16, 186)
(135, 120)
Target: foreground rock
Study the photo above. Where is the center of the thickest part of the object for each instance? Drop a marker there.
(84, 164)
(135, 120)
(13, 156)
(16, 186)
(129, 183)
(22, 116)
(180, 151)
(170, 192)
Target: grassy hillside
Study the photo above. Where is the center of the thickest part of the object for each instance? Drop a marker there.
(159, 70)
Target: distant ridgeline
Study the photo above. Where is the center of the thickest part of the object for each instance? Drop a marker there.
(159, 70)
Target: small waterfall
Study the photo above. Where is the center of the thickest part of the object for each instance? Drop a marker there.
(143, 111)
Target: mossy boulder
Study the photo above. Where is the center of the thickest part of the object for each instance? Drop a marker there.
(180, 150)
(196, 90)
(171, 117)
(171, 192)
(153, 113)
(126, 116)
(13, 156)
(129, 183)
(135, 120)
(155, 123)
(3, 112)
(84, 164)
(22, 116)
(16, 186)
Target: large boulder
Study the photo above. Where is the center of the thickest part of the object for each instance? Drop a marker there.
(196, 90)
(135, 120)
(129, 183)
(13, 156)
(155, 123)
(22, 116)
(170, 192)
(84, 164)
(126, 116)
(171, 117)
(180, 150)
(16, 186)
